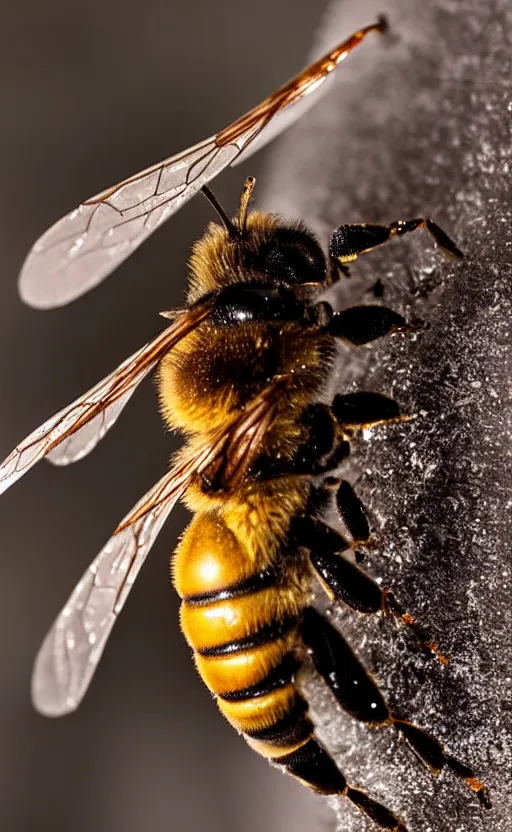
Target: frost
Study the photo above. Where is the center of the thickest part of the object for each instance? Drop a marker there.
(418, 125)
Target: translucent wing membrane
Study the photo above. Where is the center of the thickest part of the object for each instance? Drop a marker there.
(86, 245)
(82, 441)
(73, 647)
(74, 431)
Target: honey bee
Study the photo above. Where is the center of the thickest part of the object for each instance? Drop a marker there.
(240, 372)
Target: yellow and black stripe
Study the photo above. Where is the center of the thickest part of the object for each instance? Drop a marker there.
(242, 620)
(246, 621)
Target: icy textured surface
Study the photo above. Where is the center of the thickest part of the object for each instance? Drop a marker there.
(419, 125)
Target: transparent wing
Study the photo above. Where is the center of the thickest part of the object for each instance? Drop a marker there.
(73, 647)
(74, 431)
(82, 248)
(82, 441)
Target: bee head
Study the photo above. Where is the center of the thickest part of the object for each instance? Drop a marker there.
(292, 256)
(256, 247)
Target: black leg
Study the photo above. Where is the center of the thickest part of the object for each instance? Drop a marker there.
(328, 431)
(342, 579)
(360, 696)
(330, 428)
(349, 506)
(352, 512)
(335, 661)
(349, 241)
(378, 813)
(312, 764)
(346, 582)
(362, 324)
(364, 409)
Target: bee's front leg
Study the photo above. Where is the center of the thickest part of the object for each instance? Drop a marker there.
(349, 241)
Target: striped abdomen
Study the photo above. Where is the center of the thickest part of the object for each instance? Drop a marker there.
(242, 622)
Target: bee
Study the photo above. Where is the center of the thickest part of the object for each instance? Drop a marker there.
(240, 371)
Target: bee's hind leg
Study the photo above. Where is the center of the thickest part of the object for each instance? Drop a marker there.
(312, 764)
(359, 695)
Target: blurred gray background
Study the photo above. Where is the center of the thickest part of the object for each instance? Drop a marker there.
(91, 93)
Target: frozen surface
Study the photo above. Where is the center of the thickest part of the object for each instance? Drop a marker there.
(419, 124)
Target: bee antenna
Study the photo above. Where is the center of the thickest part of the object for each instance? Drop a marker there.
(229, 225)
(245, 198)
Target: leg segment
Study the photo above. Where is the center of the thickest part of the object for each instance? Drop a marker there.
(346, 582)
(312, 764)
(330, 427)
(334, 660)
(342, 579)
(349, 241)
(359, 695)
(348, 504)
(352, 511)
(361, 324)
(364, 409)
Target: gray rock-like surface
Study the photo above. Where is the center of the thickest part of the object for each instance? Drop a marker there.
(419, 124)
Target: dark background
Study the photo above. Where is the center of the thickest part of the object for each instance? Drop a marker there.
(91, 93)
